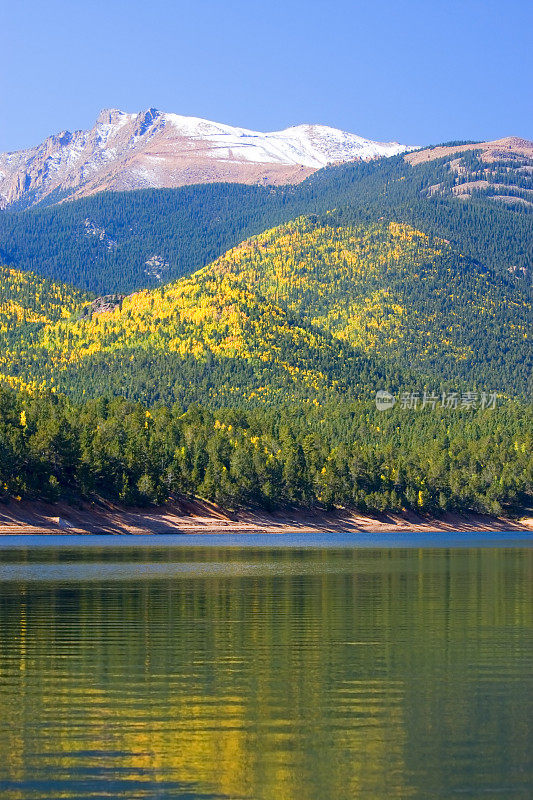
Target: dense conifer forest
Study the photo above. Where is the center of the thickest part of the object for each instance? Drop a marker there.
(326, 456)
(120, 242)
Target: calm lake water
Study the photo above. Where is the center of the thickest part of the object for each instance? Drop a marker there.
(324, 672)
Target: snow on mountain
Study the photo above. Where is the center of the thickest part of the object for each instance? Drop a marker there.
(312, 146)
(154, 149)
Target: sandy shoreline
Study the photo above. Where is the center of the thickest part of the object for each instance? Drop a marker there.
(27, 518)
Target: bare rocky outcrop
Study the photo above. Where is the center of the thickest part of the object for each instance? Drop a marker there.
(490, 151)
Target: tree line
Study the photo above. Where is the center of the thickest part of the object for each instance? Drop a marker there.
(341, 455)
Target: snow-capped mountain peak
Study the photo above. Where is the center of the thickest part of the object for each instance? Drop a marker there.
(157, 149)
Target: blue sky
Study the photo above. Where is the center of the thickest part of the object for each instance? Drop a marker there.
(418, 72)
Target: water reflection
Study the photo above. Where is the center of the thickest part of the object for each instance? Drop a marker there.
(311, 674)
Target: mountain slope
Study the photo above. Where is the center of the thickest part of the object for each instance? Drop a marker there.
(307, 311)
(29, 303)
(201, 338)
(387, 288)
(500, 170)
(120, 242)
(153, 149)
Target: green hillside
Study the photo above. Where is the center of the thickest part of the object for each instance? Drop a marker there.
(340, 454)
(121, 242)
(394, 292)
(310, 310)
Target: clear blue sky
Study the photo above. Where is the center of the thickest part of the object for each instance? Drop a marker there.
(419, 71)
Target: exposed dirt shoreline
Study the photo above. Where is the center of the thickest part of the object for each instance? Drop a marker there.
(192, 518)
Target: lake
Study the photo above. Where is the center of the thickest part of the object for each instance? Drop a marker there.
(267, 668)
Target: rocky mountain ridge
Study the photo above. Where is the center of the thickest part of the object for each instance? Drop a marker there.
(153, 149)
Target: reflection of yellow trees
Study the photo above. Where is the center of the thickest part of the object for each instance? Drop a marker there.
(296, 675)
